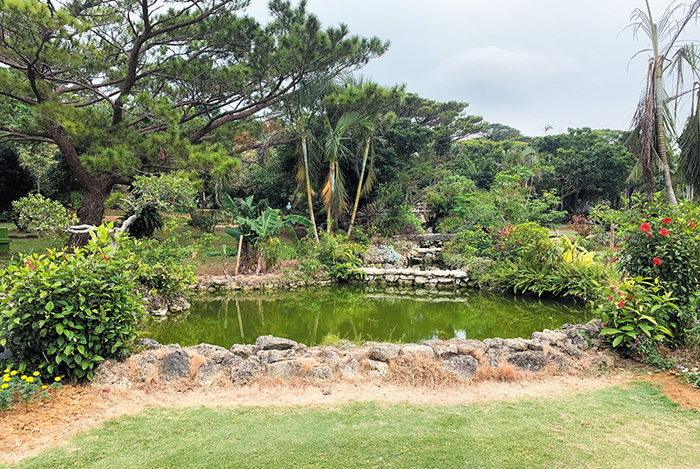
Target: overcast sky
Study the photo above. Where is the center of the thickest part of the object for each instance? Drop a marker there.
(523, 63)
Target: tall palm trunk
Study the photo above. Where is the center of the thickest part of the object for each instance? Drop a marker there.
(331, 180)
(359, 186)
(305, 152)
(660, 133)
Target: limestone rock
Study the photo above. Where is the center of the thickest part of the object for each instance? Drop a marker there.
(273, 356)
(445, 351)
(464, 366)
(285, 369)
(147, 344)
(244, 351)
(417, 351)
(378, 369)
(320, 373)
(385, 352)
(178, 304)
(249, 369)
(268, 342)
(349, 369)
(175, 365)
(207, 350)
(528, 361)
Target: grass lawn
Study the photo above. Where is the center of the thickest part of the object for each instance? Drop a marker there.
(609, 428)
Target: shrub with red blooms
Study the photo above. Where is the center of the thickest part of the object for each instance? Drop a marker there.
(663, 242)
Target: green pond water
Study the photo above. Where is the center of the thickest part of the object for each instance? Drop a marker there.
(359, 314)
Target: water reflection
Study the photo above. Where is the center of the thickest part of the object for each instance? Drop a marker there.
(358, 313)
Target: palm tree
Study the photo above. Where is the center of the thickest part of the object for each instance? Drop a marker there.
(652, 124)
(301, 108)
(334, 194)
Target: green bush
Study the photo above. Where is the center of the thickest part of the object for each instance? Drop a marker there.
(160, 266)
(527, 241)
(465, 246)
(663, 242)
(636, 316)
(397, 216)
(47, 216)
(65, 313)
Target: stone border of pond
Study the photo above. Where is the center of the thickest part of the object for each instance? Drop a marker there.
(570, 348)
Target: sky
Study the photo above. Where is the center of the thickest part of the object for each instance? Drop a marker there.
(522, 63)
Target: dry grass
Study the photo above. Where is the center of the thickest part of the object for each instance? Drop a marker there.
(420, 371)
(504, 372)
(196, 360)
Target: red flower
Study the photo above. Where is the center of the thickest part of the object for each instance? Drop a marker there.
(32, 267)
(666, 221)
(619, 293)
(104, 256)
(615, 259)
(657, 261)
(610, 298)
(692, 225)
(621, 304)
(612, 288)
(664, 232)
(645, 226)
(649, 235)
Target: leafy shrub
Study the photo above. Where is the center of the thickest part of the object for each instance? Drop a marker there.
(636, 316)
(527, 241)
(397, 216)
(65, 313)
(47, 216)
(334, 254)
(449, 198)
(663, 242)
(160, 265)
(577, 281)
(460, 250)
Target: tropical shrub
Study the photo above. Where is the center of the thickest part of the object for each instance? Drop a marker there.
(47, 216)
(397, 216)
(160, 265)
(527, 241)
(636, 316)
(581, 225)
(65, 313)
(466, 245)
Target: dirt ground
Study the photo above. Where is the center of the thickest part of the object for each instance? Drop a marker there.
(28, 430)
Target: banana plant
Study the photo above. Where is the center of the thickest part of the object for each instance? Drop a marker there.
(255, 229)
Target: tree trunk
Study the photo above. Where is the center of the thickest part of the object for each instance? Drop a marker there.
(359, 187)
(329, 216)
(661, 135)
(304, 150)
(91, 212)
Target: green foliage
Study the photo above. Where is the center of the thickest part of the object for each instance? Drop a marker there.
(468, 244)
(663, 242)
(531, 263)
(449, 198)
(636, 316)
(148, 221)
(397, 216)
(335, 255)
(16, 387)
(65, 313)
(46, 215)
(160, 266)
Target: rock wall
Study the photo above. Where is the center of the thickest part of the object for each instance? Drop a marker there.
(573, 347)
(436, 279)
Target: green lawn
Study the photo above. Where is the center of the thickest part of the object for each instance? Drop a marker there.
(609, 428)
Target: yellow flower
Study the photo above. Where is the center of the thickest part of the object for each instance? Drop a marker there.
(44, 387)
(7, 370)
(30, 379)
(6, 378)
(36, 373)
(23, 377)
(14, 372)
(57, 378)
(4, 386)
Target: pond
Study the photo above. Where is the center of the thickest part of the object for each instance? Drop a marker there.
(359, 314)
